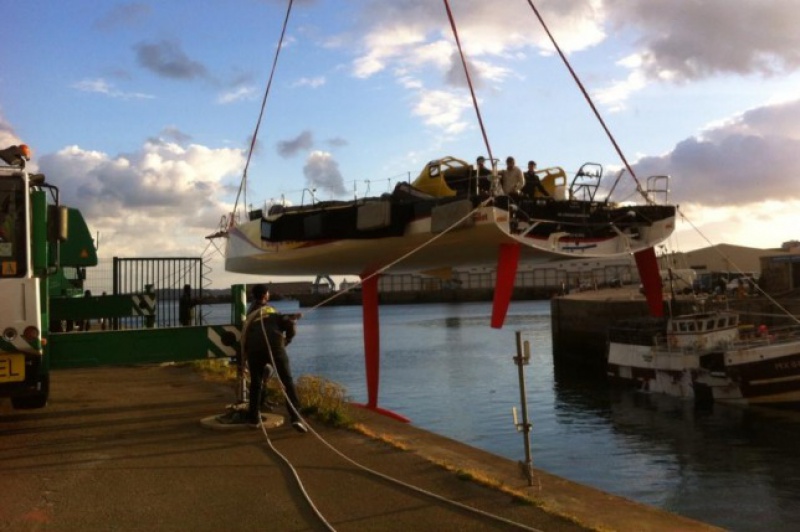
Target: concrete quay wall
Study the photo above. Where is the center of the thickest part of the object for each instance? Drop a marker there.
(445, 295)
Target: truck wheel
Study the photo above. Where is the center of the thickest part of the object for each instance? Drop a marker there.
(37, 400)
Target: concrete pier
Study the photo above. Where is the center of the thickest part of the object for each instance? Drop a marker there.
(124, 449)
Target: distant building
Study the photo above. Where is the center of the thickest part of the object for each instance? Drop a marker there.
(780, 270)
(726, 258)
(721, 262)
(557, 276)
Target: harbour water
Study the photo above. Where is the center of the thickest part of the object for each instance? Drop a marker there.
(443, 367)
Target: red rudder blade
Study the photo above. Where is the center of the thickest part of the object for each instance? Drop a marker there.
(651, 280)
(507, 261)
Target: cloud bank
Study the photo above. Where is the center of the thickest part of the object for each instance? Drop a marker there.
(750, 157)
(162, 199)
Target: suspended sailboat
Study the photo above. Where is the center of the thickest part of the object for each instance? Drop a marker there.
(445, 219)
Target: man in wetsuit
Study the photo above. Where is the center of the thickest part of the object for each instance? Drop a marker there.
(533, 184)
(266, 335)
(483, 176)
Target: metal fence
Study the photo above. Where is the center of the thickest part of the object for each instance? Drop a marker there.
(165, 277)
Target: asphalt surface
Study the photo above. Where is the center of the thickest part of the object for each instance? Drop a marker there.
(125, 449)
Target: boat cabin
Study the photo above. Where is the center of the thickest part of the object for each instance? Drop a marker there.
(449, 176)
(701, 332)
(444, 177)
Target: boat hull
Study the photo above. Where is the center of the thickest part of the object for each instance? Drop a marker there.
(769, 376)
(429, 243)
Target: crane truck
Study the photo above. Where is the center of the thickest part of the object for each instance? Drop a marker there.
(45, 248)
(33, 225)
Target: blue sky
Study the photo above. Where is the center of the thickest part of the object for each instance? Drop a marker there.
(142, 111)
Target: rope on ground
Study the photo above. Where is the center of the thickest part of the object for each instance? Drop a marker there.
(298, 480)
(417, 489)
(296, 413)
(285, 460)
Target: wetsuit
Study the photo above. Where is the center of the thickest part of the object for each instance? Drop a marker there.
(279, 330)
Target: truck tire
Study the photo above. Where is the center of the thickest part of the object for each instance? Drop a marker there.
(37, 400)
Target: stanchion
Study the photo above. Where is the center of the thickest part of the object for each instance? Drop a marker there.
(523, 359)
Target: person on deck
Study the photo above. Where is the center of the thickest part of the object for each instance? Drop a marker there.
(483, 176)
(512, 178)
(266, 334)
(533, 185)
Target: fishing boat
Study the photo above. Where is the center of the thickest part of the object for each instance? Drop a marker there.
(452, 221)
(708, 357)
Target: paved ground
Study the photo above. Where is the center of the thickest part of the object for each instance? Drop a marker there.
(124, 449)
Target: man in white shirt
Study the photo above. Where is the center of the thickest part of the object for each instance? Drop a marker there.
(512, 178)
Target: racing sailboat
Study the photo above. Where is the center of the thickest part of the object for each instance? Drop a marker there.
(445, 219)
(451, 221)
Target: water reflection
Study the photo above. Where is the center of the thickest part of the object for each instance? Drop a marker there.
(724, 465)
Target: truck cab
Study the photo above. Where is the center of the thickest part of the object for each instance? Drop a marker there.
(31, 229)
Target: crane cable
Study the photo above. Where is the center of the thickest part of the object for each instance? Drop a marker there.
(243, 182)
(469, 79)
(590, 102)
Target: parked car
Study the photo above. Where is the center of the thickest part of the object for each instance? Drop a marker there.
(747, 282)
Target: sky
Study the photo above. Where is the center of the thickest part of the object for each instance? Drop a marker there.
(143, 112)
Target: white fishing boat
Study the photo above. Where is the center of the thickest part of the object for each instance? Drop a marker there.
(708, 357)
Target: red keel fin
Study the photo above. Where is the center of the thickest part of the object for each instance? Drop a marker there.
(647, 265)
(507, 262)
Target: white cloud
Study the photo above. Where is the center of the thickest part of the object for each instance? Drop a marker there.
(314, 82)
(750, 158)
(679, 42)
(101, 86)
(236, 95)
(443, 109)
(161, 200)
(698, 39)
(383, 46)
(615, 95)
(413, 40)
(765, 224)
(7, 135)
(736, 179)
(417, 32)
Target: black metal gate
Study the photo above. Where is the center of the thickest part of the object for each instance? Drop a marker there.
(166, 278)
